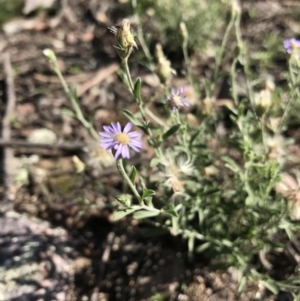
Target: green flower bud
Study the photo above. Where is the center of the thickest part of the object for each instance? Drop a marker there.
(124, 39)
(262, 101)
(183, 30)
(163, 69)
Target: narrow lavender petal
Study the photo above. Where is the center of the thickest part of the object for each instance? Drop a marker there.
(127, 128)
(108, 129)
(135, 148)
(173, 91)
(107, 146)
(185, 103)
(107, 140)
(125, 152)
(180, 90)
(105, 134)
(119, 151)
(119, 127)
(115, 127)
(134, 135)
(116, 145)
(136, 143)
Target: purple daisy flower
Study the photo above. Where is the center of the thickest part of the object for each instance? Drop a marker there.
(114, 138)
(292, 46)
(177, 100)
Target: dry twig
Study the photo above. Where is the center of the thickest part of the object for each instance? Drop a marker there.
(65, 146)
(6, 134)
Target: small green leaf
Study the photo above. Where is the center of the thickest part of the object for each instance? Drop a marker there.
(227, 243)
(242, 284)
(143, 128)
(270, 286)
(137, 89)
(123, 212)
(171, 212)
(148, 192)
(154, 162)
(203, 247)
(132, 174)
(191, 244)
(145, 214)
(73, 90)
(125, 200)
(67, 111)
(231, 164)
(171, 131)
(131, 117)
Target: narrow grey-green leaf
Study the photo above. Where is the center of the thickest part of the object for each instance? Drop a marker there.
(171, 131)
(123, 212)
(137, 89)
(270, 286)
(231, 164)
(131, 117)
(67, 111)
(203, 247)
(242, 284)
(145, 214)
(132, 174)
(171, 212)
(154, 162)
(143, 128)
(148, 192)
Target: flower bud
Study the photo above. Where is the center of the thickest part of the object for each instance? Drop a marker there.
(124, 39)
(163, 70)
(183, 31)
(262, 101)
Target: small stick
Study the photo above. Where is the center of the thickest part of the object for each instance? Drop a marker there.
(6, 133)
(66, 146)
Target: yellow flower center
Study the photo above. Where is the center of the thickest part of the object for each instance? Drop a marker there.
(294, 46)
(122, 138)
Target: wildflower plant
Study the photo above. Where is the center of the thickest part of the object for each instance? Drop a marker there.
(217, 191)
(197, 188)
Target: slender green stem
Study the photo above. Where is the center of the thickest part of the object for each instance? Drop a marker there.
(155, 118)
(295, 83)
(126, 68)
(126, 177)
(187, 61)
(244, 61)
(140, 104)
(223, 46)
(263, 121)
(72, 97)
(141, 36)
